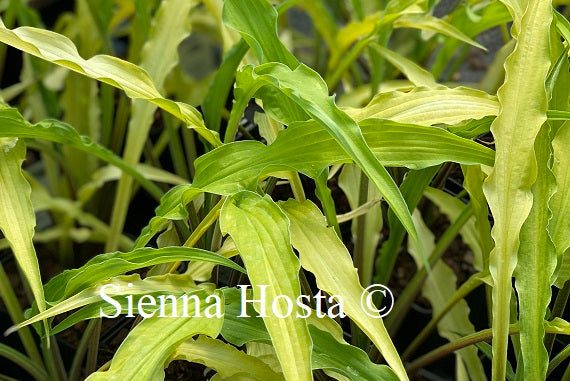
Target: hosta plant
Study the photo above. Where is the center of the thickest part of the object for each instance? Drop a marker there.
(248, 265)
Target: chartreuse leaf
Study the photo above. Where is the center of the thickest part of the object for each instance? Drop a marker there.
(523, 101)
(430, 23)
(136, 83)
(12, 124)
(429, 106)
(225, 359)
(536, 252)
(260, 231)
(323, 254)
(559, 225)
(415, 73)
(146, 350)
(17, 218)
(439, 288)
(329, 350)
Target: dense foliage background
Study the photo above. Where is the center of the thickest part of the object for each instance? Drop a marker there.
(303, 145)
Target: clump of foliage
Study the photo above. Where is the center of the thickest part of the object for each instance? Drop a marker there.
(365, 98)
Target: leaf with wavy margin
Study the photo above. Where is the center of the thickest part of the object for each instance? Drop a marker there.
(536, 251)
(225, 359)
(136, 83)
(523, 101)
(323, 254)
(426, 106)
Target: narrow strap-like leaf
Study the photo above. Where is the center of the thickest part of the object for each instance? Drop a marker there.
(322, 253)
(17, 218)
(523, 101)
(261, 233)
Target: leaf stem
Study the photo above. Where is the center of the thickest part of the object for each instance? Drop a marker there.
(81, 349)
(477, 337)
(23, 362)
(557, 311)
(471, 284)
(409, 294)
(15, 312)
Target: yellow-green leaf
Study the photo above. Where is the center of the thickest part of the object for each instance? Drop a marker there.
(322, 253)
(261, 233)
(17, 218)
(523, 104)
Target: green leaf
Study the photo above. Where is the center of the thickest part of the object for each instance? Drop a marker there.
(226, 360)
(308, 148)
(562, 25)
(12, 124)
(256, 21)
(523, 101)
(261, 233)
(473, 183)
(107, 265)
(560, 202)
(536, 252)
(136, 83)
(17, 218)
(323, 254)
(558, 115)
(172, 207)
(412, 189)
(146, 350)
(473, 128)
(350, 361)
(429, 106)
(329, 350)
(219, 89)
